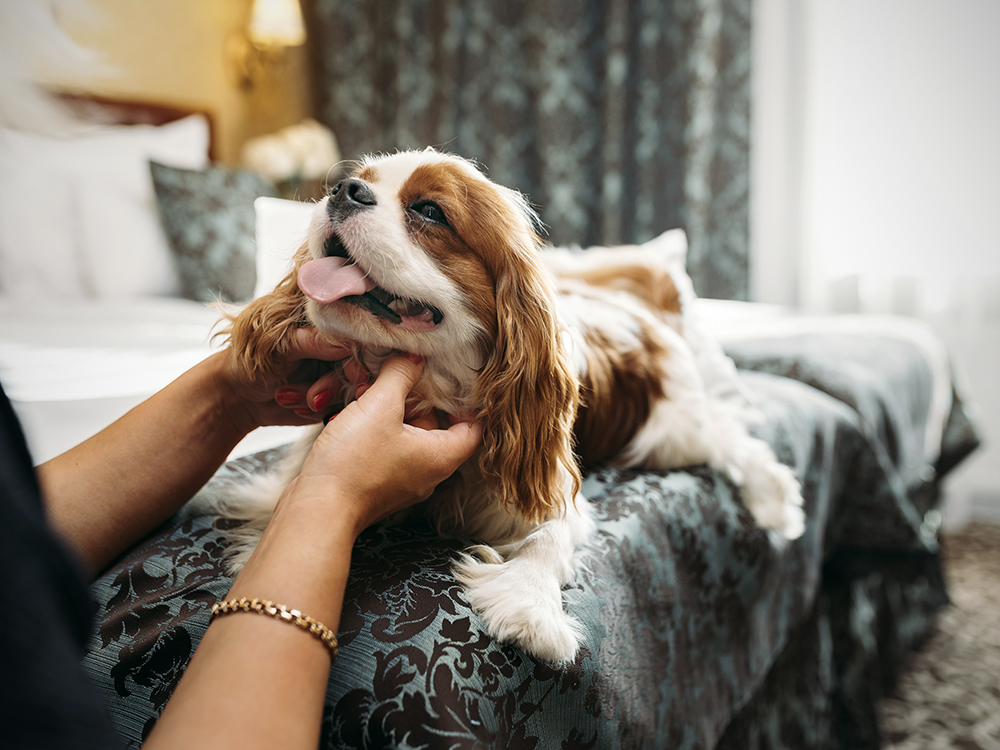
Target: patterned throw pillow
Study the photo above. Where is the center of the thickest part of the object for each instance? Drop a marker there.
(208, 216)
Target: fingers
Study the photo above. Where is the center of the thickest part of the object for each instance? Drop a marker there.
(293, 397)
(304, 399)
(398, 375)
(308, 343)
(356, 373)
(308, 400)
(384, 401)
(439, 453)
(387, 395)
(321, 393)
(424, 422)
(273, 414)
(290, 396)
(460, 441)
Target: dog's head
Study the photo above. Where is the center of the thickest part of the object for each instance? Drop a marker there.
(420, 252)
(408, 253)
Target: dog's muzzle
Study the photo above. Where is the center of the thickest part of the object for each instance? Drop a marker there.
(348, 197)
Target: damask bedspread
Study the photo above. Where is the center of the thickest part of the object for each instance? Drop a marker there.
(685, 605)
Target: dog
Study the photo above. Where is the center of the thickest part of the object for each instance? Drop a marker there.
(565, 361)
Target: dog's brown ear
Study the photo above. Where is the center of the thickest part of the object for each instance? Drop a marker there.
(529, 394)
(261, 332)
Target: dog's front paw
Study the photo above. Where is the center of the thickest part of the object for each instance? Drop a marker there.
(520, 604)
(774, 497)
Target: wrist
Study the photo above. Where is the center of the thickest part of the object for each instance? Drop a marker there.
(231, 409)
(323, 508)
(302, 559)
(345, 507)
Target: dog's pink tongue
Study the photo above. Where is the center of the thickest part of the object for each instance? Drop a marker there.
(326, 280)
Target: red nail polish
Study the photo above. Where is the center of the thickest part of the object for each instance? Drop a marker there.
(415, 358)
(321, 400)
(288, 398)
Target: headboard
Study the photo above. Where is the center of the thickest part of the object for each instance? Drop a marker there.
(100, 109)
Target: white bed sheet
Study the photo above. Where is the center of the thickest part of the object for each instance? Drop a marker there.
(72, 368)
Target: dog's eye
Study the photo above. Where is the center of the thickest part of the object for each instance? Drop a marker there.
(430, 211)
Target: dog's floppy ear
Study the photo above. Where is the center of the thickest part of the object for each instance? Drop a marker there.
(260, 333)
(529, 395)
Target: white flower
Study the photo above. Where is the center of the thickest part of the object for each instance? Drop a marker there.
(269, 156)
(305, 151)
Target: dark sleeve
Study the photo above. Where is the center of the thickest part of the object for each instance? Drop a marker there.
(46, 700)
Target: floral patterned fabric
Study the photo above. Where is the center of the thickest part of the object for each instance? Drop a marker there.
(693, 619)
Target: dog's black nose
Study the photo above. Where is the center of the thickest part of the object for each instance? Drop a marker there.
(348, 197)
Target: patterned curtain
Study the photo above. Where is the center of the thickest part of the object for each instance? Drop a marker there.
(619, 119)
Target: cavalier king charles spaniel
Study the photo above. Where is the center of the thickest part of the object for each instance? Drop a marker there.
(567, 362)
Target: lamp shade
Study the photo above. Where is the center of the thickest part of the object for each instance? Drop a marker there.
(276, 23)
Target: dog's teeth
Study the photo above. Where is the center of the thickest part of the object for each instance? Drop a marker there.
(405, 308)
(408, 309)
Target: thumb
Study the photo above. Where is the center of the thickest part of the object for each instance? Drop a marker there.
(394, 382)
(462, 439)
(454, 445)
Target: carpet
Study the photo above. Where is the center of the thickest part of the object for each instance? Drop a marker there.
(948, 695)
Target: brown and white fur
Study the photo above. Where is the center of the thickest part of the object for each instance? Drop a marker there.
(583, 368)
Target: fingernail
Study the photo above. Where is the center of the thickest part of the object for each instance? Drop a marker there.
(326, 420)
(415, 358)
(321, 400)
(288, 398)
(360, 389)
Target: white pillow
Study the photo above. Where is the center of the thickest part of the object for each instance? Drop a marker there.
(108, 212)
(281, 228)
(39, 251)
(124, 250)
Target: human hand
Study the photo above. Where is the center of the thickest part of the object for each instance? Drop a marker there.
(370, 462)
(298, 395)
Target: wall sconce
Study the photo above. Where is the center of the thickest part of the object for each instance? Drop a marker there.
(274, 25)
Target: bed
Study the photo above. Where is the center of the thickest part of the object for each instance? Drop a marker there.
(699, 632)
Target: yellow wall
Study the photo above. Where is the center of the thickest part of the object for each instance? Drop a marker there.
(173, 52)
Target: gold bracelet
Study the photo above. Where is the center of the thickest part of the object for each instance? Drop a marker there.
(281, 612)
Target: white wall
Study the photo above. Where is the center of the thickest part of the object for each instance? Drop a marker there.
(903, 125)
(876, 162)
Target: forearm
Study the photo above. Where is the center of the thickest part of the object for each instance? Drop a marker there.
(111, 490)
(256, 681)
